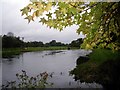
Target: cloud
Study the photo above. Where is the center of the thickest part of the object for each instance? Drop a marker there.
(15, 1)
(0, 18)
(12, 21)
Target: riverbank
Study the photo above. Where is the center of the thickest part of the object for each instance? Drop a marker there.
(102, 67)
(16, 51)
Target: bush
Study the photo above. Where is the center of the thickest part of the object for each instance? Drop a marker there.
(25, 81)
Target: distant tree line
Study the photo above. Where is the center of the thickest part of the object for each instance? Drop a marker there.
(76, 43)
(34, 44)
(54, 43)
(0, 42)
(9, 41)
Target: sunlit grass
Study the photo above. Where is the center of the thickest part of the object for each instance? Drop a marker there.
(101, 55)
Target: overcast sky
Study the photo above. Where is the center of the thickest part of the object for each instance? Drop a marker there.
(12, 21)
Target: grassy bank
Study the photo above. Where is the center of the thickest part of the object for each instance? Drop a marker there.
(102, 67)
(9, 52)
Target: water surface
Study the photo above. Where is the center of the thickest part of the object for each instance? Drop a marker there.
(57, 62)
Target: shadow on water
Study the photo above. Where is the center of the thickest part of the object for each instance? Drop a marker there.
(107, 74)
(54, 52)
(10, 54)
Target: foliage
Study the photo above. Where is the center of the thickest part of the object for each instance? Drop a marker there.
(14, 42)
(34, 44)
(102, 67)
(25, 81)
(98, 21)
(10, 42)
(0, 42)
(54, 43)
(76, 43)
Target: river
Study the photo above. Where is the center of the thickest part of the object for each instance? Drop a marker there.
(58, 62)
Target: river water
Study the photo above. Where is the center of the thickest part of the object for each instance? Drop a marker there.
(58, 62)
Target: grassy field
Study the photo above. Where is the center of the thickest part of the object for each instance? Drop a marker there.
(99, 56)
(15, 51)
(102, 67)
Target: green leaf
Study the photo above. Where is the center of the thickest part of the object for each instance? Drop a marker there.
(49, 15)
(72, 10)
(34, 0)
(43, 20)
(97, 25)
(29, 18)
(25, 11)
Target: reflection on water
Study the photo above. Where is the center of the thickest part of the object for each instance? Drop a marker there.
(59, 63)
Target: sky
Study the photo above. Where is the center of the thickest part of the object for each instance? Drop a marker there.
(12, 21)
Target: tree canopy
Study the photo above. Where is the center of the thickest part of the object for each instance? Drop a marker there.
(11, 42)
(98, 21)
(76, 43)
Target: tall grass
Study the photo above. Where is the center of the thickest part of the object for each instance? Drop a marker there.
(91, 70)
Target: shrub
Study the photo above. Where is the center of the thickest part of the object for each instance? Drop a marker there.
(25, 81)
